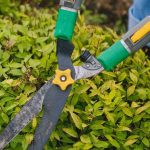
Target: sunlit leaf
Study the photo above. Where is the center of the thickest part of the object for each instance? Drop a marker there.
(130, 142)
(77, 120)
(71, 132)
(130, 90)
(141, 109)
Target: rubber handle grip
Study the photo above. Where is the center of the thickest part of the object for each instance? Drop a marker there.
(65, 24)
(111, 57)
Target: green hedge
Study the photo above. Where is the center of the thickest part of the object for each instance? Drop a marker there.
(109, 111)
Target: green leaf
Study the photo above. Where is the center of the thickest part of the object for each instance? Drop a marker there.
(77, 120)
(146, 142)
(143, 108)
(111, 96)
(8, 81)
(29, 89)
(130, 142)
(41, 39)
(75, 99)
(15, 65)
(93, 138)
(122, 76)
(78, 145)
(134, 105)
(6, 99)
(22, 99)
(137, 118)
(127, 111)
(130, 90)
(81, 89)
(29, 138)
(133, 77)
(123, 128)
(34, 123)
(110, 117)
(111, 74)
(57, 136)
(101, 144)
(87, 146)
(34, 63)
(11, 106)
(97, 125)
(2, 92)
(133, 137)
(142, 93)
(112, 141)
(16, 72)
(5, 56)
(115, 143)
(85, 139)
(70, 132)
(5, 117)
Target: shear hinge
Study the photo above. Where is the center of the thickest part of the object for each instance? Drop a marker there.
(63, 79)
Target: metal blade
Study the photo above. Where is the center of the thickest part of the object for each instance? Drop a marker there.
(54, 103)
(27, 113)
(83, 73)
(55, 98)
(90, 68)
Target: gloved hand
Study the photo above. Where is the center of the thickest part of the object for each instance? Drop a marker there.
(139, 10)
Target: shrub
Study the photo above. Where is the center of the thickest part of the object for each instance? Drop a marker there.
(109, 111)
(7, 7)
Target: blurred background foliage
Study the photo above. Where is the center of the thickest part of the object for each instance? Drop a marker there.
(110, 111)
(107, 12)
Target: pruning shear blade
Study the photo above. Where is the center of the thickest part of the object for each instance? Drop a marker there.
(50, 96)
(26, 114)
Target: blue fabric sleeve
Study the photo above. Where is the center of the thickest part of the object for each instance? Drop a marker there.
(141, 8)
(138, 11)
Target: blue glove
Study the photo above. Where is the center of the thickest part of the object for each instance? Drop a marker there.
(138, 11)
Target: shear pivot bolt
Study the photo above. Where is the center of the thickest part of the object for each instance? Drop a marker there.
(63, 79)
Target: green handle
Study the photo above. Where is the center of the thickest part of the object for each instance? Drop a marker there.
(65, 24)
(111, 57)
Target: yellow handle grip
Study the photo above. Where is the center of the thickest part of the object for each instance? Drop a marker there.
(141, 33)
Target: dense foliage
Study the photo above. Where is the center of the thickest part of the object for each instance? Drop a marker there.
(109, 111)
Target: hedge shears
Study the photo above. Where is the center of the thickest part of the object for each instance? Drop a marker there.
(54, 93)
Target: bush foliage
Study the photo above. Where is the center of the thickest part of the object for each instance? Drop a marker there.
(109, 111)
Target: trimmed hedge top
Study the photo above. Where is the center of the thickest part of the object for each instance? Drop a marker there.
(109, 111)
